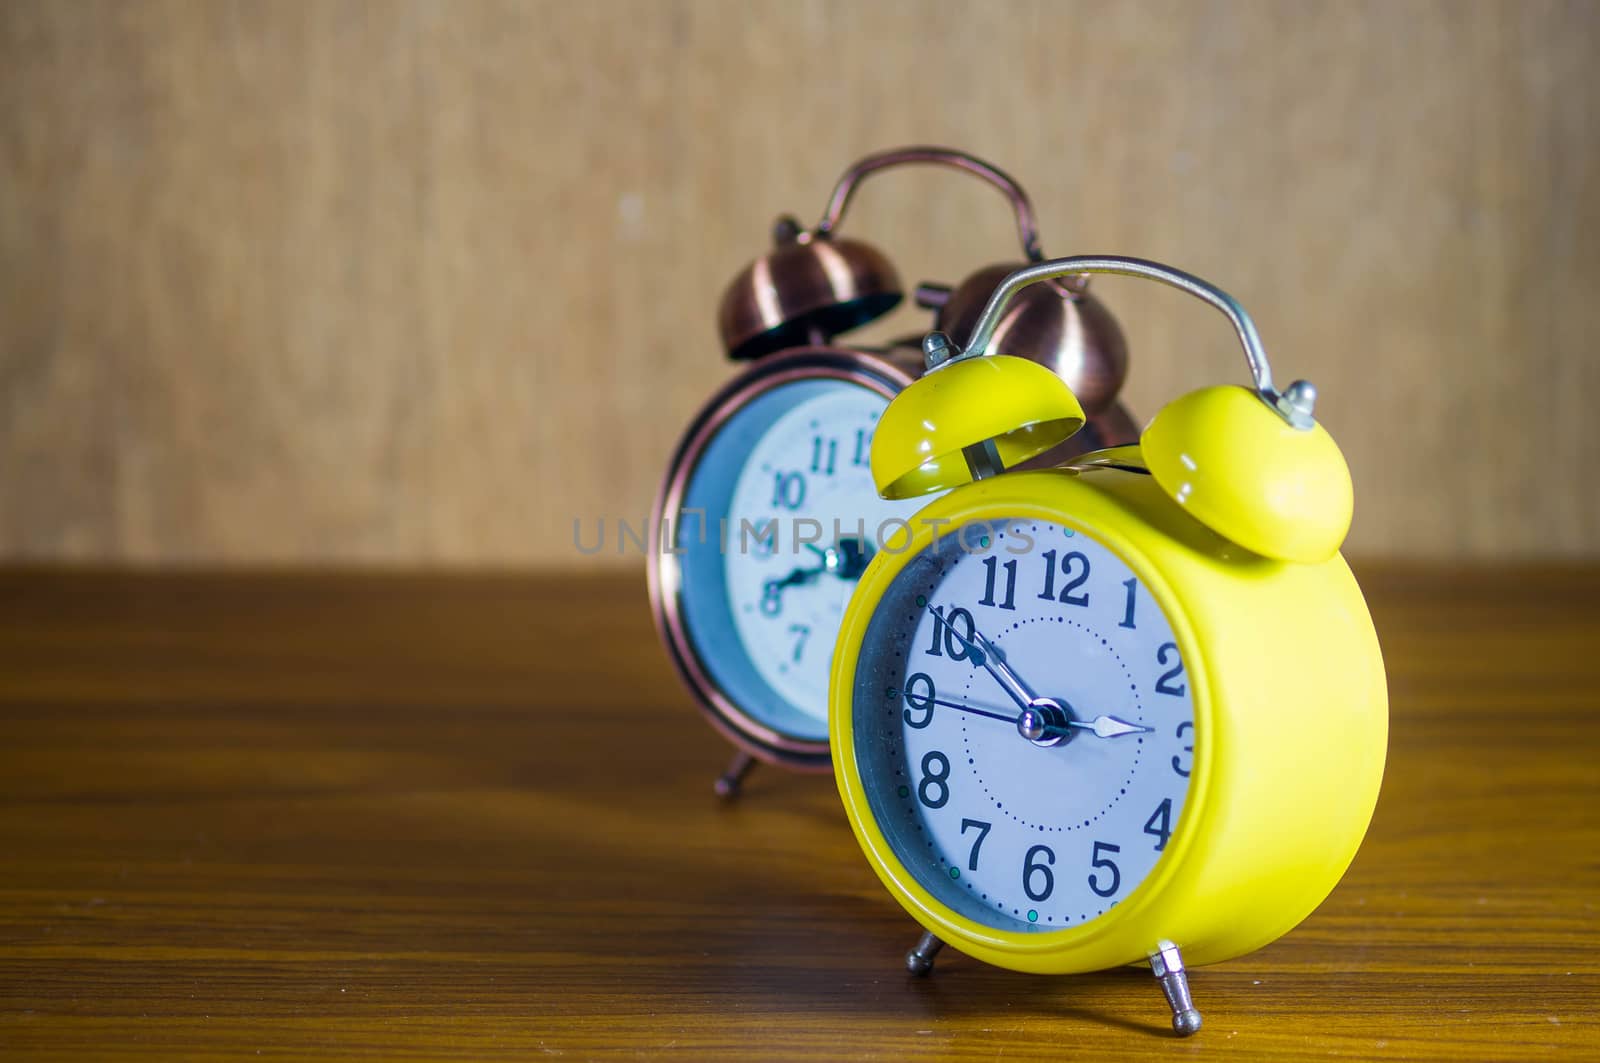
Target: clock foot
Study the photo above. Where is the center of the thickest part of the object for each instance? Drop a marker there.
(919, 961)
(1167, 964)
(728, 783)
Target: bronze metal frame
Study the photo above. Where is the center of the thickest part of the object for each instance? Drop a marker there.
(804, 363)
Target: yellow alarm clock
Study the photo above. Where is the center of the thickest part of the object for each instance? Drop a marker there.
(1129, 710)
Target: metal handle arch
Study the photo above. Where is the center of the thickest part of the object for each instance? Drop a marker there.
(1295, 404)
(1027, 225)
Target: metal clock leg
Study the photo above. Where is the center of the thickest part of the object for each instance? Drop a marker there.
(1168, 967)
(728, 783)
(919, 961)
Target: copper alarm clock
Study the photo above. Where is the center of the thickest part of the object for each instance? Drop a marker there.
(767, 515)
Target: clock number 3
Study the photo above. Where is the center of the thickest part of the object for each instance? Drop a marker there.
(1178, 763)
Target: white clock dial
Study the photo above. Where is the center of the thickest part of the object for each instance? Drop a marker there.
(806, 480)
(1018, 833)
(769, 533)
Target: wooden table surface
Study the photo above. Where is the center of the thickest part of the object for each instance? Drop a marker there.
(305, 815)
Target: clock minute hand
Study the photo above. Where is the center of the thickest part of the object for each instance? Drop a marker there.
(984, 654)
(1040, 716)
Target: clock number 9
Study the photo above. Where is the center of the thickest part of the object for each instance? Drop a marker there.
(935, 776)
(1096, 860)
(1030, 869)
(921, 701)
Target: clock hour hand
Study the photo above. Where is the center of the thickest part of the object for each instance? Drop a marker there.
(1110, 727)
(799, 577)
(918, 701)
(847, 559)
(1100, 726)
(1049, 722)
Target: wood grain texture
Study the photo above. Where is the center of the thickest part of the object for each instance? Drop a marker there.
(470, 817)
(415, 281)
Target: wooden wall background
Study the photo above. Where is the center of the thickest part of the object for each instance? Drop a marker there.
(425, 281)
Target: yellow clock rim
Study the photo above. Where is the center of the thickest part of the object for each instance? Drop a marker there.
(1049, 951)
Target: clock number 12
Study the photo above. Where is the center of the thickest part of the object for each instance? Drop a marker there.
(1073, 562)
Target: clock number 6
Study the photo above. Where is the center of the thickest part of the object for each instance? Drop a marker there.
(1096, 860)
(935, 773)
(1029, 869)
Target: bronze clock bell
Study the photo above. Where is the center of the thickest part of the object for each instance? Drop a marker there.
(816, 284)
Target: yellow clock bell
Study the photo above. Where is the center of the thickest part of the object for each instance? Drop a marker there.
(1128, 710)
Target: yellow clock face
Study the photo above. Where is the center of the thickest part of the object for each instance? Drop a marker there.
(1023, 725)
